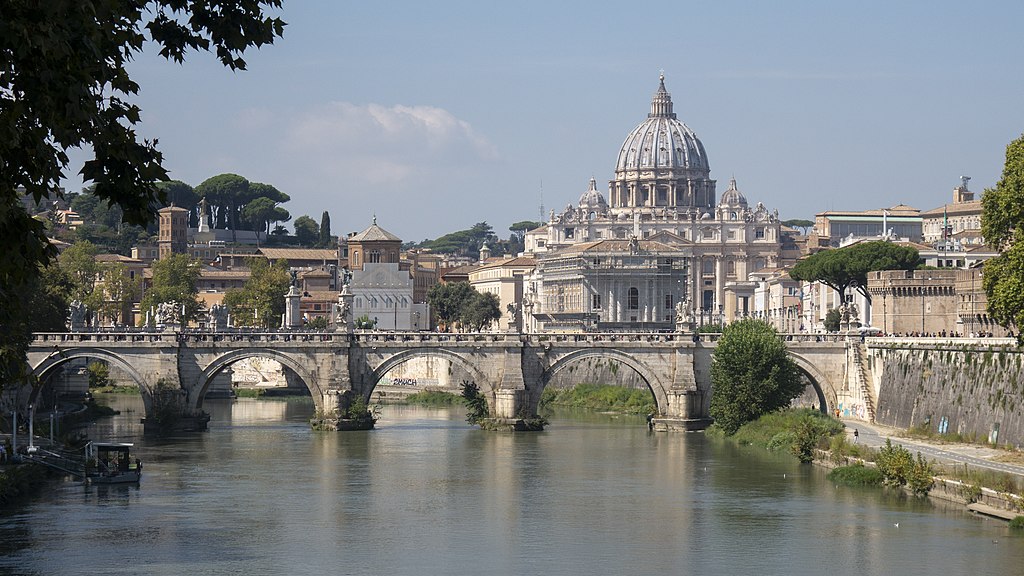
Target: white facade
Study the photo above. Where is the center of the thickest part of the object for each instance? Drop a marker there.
(383, 293)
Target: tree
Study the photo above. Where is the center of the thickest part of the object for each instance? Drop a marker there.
(260, 302)
(325, 230)
(480, 310)
(227, 193)
(448, 300)
(307, 233)
(1002, 225)
(260, 213)
(183, 196)
(78, 263)
(799, 223)
(64, 84)
(119, 291)
(464, 242)
(751, 375)
(833, 318)
(842, 268)
(174, 281)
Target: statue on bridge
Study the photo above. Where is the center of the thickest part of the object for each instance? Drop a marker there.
(684, 317)
(218, 317)
(77, 316)
(167, 313)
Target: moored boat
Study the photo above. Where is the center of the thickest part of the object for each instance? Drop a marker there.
(111, 463)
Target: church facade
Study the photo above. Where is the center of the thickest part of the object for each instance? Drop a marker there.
(662, 236)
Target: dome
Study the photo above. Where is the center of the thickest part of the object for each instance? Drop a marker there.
(732, 196)
(662, 141)
(592, 199)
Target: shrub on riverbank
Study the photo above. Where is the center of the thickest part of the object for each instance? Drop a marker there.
(433, 398)
(1017, 523)
(856, 475)
(899, 468)
(600, 397)
(20, 482)
(797, 430)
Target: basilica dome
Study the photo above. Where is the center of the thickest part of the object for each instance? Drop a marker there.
(662, 141)
(592, 198)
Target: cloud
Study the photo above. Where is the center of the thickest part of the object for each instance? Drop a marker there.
(380, 145)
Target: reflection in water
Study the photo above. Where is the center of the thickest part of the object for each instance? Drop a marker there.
(425, 493)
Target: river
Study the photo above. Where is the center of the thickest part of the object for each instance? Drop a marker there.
(425, 493)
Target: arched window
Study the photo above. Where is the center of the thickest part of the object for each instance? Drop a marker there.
(634, 299)
(374, 257)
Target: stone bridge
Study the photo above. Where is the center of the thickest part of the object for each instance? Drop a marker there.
(511, 370)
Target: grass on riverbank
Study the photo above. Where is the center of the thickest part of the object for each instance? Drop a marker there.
(115, 389)
(799, 431)
(434, 398)
(600, 397)
(856, 475)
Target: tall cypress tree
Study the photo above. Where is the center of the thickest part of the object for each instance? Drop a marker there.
(325, 230)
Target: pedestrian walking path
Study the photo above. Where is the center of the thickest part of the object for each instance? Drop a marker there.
(874, 435)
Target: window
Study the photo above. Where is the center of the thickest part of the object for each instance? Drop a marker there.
(669, 301)
(570, 233)
(708, 266)
(759, 233)
(595, 301)
(374, 257)
(633, 302)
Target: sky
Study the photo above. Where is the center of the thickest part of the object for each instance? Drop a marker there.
(436, 116)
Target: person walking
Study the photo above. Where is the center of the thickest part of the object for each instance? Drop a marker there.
(856, 435)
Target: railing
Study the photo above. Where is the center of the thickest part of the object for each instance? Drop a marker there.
(248, 335)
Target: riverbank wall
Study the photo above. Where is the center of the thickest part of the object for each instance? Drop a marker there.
(974, 390)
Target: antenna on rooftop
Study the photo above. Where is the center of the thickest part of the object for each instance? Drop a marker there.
(541, 201)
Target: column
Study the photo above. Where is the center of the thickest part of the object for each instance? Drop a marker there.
(719, 282)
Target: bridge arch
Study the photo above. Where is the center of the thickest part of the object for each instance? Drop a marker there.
(654, 384)
(824, 389)
(228, 358)
(49, 364)
(487, 384)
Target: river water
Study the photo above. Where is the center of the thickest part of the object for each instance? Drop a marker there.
(425, 493)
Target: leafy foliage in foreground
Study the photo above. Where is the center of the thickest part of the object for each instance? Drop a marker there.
(1002, 224)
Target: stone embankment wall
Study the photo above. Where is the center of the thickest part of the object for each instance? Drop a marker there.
(976, 390)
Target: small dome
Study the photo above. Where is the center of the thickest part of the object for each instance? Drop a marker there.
(733, 197)
(662, 141)
(592, 199)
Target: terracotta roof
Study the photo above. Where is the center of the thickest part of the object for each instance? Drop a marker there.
(243, 273)
(972, 207)
(897, 210)
(518, 262)
(374, 233)
(300, 254)
(117, 258)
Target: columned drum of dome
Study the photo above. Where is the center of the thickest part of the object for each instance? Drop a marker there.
(662, 164)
